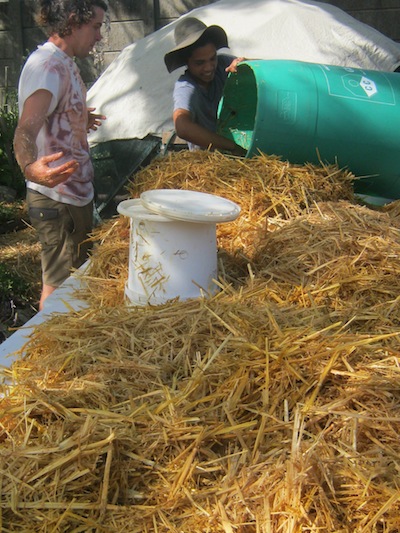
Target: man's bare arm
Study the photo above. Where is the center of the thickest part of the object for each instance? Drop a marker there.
(32, 119)
(188, 130)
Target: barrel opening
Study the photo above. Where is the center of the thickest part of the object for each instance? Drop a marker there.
(238, 107)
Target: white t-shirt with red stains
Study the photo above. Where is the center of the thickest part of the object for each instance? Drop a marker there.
(65, 129)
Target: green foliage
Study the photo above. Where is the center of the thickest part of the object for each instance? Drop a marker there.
(12, 285)
(7, 212)
(10, 173)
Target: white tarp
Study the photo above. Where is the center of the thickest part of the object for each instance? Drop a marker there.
(135, 91)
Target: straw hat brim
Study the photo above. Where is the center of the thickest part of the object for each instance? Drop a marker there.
(177, 56)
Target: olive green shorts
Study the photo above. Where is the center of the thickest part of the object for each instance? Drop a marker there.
(62, 230)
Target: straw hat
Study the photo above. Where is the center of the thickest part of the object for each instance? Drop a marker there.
(187, 32)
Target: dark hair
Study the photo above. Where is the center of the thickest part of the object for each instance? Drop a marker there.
(203, 41)
(61, 16)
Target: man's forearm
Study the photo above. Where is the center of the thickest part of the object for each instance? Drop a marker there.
(196, 134)
(25, 148)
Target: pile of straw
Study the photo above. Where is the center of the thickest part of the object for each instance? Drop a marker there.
(20, 252)
(271, 407)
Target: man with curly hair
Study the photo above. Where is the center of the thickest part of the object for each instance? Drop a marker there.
(50, 141)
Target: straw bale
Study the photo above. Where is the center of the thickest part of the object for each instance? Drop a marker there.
(393, 210)
(265, 187)
(272, 406)
(20, 252)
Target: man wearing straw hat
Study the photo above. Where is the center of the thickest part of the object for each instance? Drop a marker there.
(198, 91)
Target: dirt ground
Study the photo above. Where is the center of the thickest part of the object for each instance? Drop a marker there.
(19, 253)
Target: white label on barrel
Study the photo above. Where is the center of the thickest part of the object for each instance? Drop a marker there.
(368, 86)
(356, 84)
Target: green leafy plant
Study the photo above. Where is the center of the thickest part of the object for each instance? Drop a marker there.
(14, 298)
(10, 173)
(12, 285)
(7, 212)
(12, 216)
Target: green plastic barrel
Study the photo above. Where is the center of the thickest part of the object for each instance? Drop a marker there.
(307, 112)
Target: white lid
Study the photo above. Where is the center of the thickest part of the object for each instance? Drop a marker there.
(135, 209)
(192, 206)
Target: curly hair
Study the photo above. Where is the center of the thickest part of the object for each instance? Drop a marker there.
(61, 16)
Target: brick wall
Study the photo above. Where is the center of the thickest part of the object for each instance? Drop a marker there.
(130, 20)
(384, 15)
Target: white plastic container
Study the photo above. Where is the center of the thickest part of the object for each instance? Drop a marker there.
(173, 247)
